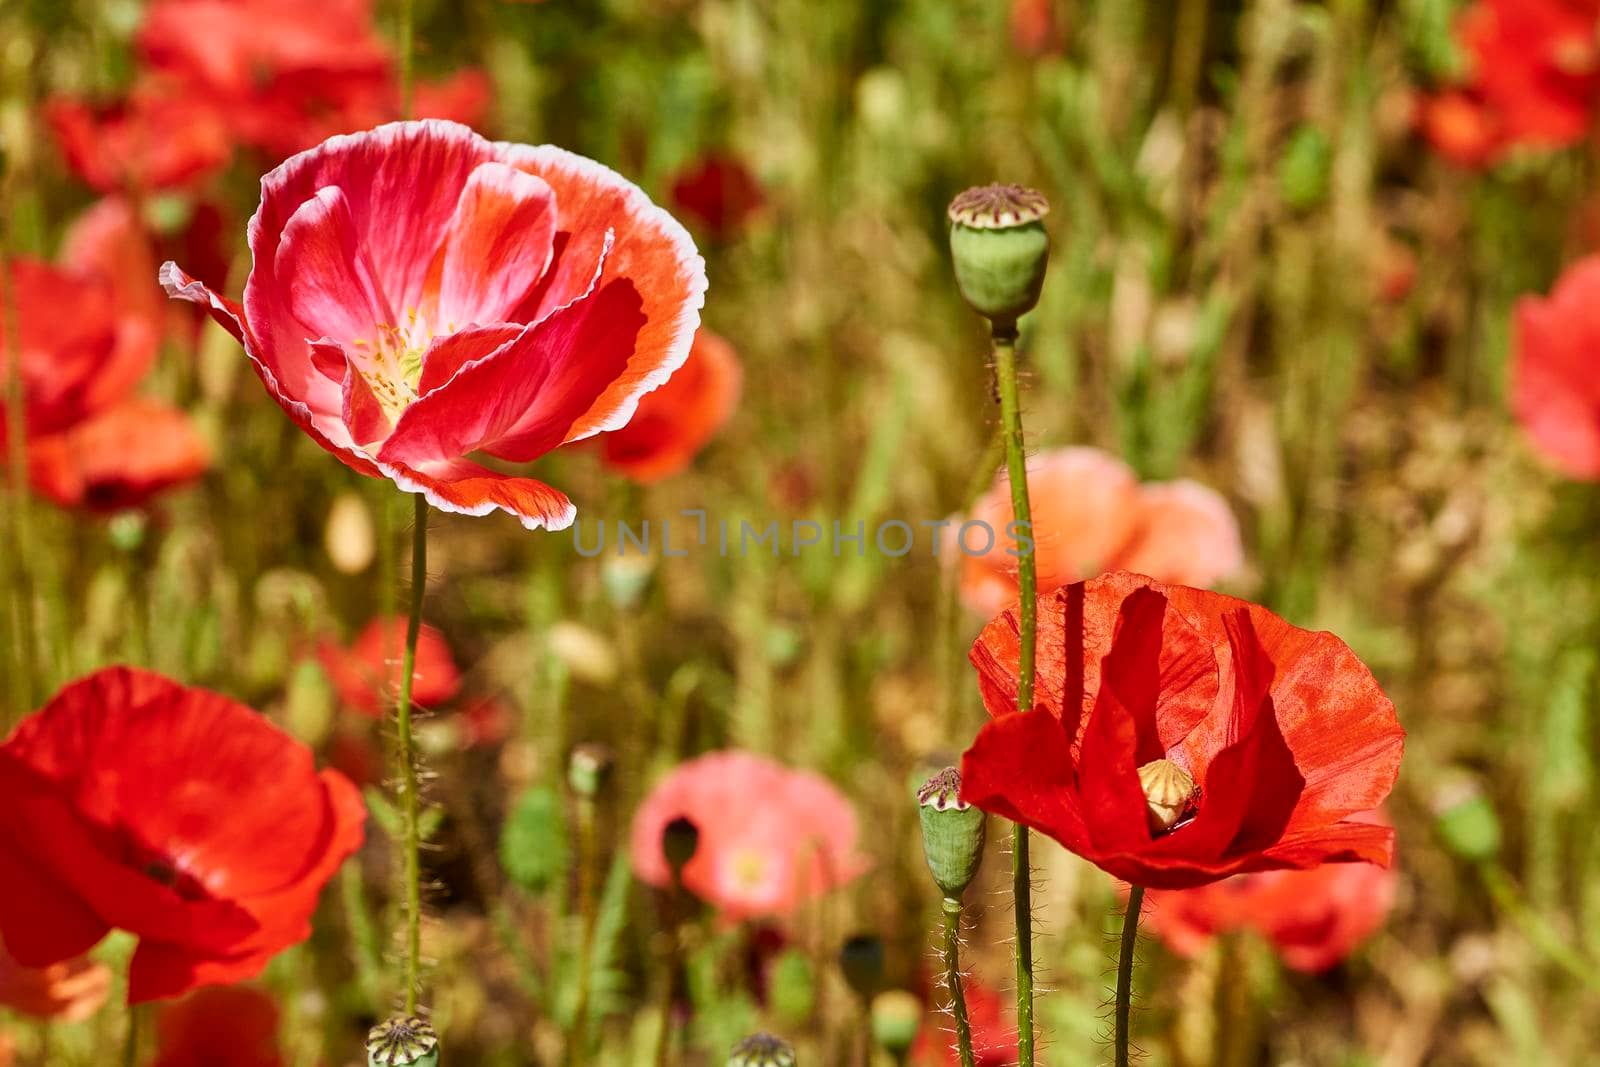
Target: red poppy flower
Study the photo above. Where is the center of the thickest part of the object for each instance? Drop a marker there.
(233, 1025)
(1554, 390)
(994, 1031)
(89, 331)
(1091, 515)
(1461, 129)
(1313, 918)
(718, 192)
(367, 675)
(158, 137)
(420, 294)
(1535, 72)
(1181, 736)
(1034, 31)
(172, 813)
(675, 422)
(70, 991)
(769, 837)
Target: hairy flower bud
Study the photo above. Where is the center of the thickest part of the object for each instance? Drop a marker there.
(403, 1042)
(1169, 793)
(862, 961)
(1000, 249)
(952, 833)
(680, 840)
(762, 1050)
(896, 1016)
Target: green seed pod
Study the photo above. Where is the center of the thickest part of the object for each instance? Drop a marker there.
(762, 1050)
(680, 840)
(896, 1017)
(1000, 249)
(588, 769)
(403, 1042)
(861, 960)
(952, 833)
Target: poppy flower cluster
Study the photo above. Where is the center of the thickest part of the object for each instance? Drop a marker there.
(420, 294)
(1179, 736)
(768, 838)
(1091, 515)
(88, 330)
(1555, 393)
(1533, 80)
(272, 76)
(175, 814)
(1314, 919)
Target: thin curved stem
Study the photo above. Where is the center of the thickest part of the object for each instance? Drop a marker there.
(588, 914)
(408, 19)
(405, 752)
(1130, 936)
(952, 971)
(130, 1042)
(1005, 369)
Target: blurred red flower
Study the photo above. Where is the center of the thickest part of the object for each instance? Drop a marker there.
(1181, 736)
(770, 838)
(994, 1030)
(673, 423)
(291, 73)
(88, 333)
(159, 137)
(1034, 30)
(70, 991)
(1091, 515)
(1534, 75)
(1555, 393)
(719, 193)
(173, 813)
(458, 296)
(1313, 918)
(232, 1025)
(366, 676)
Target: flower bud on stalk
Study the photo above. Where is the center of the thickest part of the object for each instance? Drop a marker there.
(896, 1016)
(680, 840)
(762, 1050)
(1000, 249)
(403, 1042)
(588, 769)
(952, 833)
(861, 960)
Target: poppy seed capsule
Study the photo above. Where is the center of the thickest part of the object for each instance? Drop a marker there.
(403, 1042)
(1169, 793)
(896, 1017)
(680, 840)
(1000, 249)
(762, 1050)
(952, 833)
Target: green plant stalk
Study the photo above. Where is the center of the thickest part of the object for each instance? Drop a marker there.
(952, 971)
(578, 1040)
(1130, 936)
(368, 954)
(405, 754)
(130, 1043)
(408, 21)
(1005, 369)
(18, 586)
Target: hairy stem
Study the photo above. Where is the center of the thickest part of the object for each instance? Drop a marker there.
(1130, 935)
(405, 753)
(952, 971)
(1005, 369)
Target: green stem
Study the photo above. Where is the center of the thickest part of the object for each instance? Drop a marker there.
(18, 587)
(952, 971)
(405, 752)
(130, 1043)
(1005, 369)
(1130, 935)
(407, 75)
(577, 1042)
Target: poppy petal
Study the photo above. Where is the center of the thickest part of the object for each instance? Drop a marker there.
(497, 246)
(468, 488)
(331, 288)
(1020, 767)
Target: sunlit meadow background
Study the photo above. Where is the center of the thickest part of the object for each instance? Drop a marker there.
(1261, 279)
